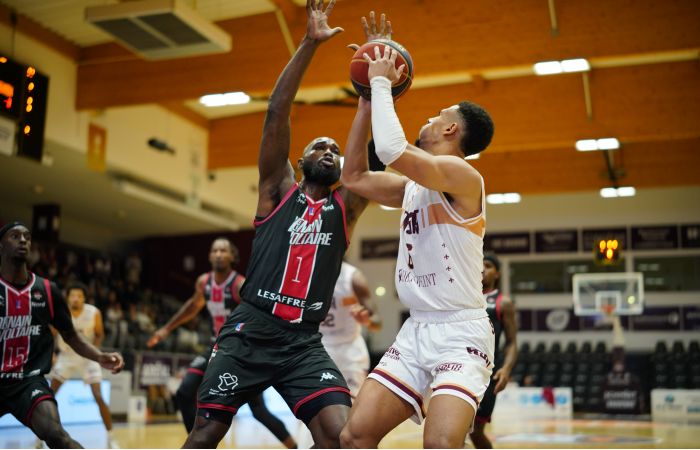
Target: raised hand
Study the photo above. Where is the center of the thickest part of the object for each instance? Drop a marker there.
(317, 28)
(384, 65)
(371, 31)
(360, 313)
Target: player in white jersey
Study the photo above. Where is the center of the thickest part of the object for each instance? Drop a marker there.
(87, 321)
(352, 307)
(447, 343)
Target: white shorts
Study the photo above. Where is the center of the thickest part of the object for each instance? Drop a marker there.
(448, 352)
(352, 359)
(67, 368)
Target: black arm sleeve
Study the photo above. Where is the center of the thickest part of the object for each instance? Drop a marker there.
(375, 165)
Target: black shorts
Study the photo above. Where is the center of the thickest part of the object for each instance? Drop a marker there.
(19, 398)
(199, 364)
(483, 414)
(253, 352)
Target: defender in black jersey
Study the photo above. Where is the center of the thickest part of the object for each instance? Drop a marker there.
(501, 311)
(28, 306)
(302, 232)
(218, 290)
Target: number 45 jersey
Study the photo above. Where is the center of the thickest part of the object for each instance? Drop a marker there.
(297, 253)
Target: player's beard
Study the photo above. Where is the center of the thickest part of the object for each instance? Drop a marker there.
(317, 174)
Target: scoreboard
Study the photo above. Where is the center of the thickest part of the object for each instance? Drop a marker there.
(23, 95)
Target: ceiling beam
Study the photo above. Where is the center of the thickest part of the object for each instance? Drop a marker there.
(34, 30)
(651, 103)
(187, 114)
(645, 165)
(473, 40)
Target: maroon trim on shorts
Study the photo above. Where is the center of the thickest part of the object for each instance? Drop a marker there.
(28, 417)
(401, 386)
(47, 286)
(301, 402)
(483, 419)
(197, 371)
(454, 387)
(230, 409)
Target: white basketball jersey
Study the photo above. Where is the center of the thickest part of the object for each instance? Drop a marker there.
(339, 325)
(440, 258)
(83, 324)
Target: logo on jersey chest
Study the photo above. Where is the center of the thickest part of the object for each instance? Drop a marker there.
(17, 326)
(308, 233)
(410, 222)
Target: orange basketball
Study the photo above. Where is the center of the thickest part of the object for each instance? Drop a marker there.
(359, 67)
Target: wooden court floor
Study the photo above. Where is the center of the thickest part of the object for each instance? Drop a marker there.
(247, 433)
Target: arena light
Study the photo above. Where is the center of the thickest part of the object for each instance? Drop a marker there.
(624, 191)
(575, 65)
(229, 98)
(388, 208)
(608, 144)
(588, 145)
(499, 199)
(548, 68)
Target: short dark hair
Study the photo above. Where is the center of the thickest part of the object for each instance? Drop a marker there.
(493, 259)
(478, 128)
(77, 285)
(231, 246)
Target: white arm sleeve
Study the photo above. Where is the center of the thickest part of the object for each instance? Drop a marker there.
(389, 139)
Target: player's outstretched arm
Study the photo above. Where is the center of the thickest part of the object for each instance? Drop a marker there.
(276, 173)
(99, 329)
(110, 361)
(63, 322)
(383, 187)
(187, 312)
(437, 172)
(510, 329)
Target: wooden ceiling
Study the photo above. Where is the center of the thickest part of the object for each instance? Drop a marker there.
(644, 86)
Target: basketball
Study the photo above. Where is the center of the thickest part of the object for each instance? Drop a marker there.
(359, 67)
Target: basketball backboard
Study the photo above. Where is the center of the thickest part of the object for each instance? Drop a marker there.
(608, 293)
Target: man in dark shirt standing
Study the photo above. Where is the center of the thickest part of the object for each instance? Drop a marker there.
(28, 305)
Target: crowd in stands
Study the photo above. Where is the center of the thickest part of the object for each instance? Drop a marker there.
(130, 311)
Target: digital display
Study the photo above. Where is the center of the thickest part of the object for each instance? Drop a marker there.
(23, 94)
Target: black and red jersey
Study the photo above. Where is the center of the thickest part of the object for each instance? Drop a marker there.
(297, 253)
(26, 342)
(494, 299)
(222, 298)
